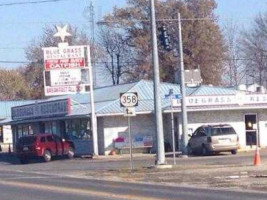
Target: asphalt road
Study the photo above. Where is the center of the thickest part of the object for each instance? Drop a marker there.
(37, 186)
(61, 179)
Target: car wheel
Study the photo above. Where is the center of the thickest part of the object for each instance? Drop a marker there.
(47, 156)
(71, 153)
(204, 151)
(234, 152)
(23, 160)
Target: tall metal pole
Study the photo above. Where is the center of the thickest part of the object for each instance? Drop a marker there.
(157, 96)
(93, 115)
(183, 92)
(92, 28)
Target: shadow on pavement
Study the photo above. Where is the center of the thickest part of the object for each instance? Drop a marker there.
(9, 158)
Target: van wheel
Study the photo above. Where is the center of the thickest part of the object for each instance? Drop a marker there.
(234, 152)
(47, 156)
(71, 153)
(189, 150)
(204, 151)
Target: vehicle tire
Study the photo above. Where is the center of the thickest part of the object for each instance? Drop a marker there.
(70, 153)
(23, 160)
(234, 152)
(189, 150)
(204, 151)
(47, 156)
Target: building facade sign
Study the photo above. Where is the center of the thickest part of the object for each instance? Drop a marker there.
(239, 99)
(44, 109)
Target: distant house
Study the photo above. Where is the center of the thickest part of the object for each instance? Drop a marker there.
(192, 78)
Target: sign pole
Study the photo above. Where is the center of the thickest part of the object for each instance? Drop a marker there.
(130, 143)
(93, 115)
(173, 137)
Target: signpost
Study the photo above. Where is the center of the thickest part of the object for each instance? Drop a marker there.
(129, 101)
(68, 70)
(173, 97)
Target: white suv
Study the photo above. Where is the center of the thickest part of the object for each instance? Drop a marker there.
(213, 139)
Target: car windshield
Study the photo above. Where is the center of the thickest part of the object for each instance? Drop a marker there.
(222, 131)
(27, 140)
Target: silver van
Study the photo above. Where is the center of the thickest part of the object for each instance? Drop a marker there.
(213, 139)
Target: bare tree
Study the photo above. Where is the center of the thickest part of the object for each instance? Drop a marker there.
(235, 69)
(254, 49)
(117, 57)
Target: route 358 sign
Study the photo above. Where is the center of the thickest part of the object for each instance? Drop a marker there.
(129, 99)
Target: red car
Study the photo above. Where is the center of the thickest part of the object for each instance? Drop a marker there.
(43, 146)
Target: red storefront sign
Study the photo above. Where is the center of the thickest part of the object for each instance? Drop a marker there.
(64, 63)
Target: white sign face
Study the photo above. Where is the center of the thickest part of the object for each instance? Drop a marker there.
(65, 77)
(129, 99)
(129, 111)
(67, 52)
(239, 99)
(63, 90)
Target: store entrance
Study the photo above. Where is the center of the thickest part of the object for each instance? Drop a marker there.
(251, 129)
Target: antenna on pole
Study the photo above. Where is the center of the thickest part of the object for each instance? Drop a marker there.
(92, 37)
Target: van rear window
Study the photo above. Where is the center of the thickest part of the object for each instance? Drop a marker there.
(222, 131)
(27, 140)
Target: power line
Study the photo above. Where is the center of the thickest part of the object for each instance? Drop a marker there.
(103, 62)
(30, 2)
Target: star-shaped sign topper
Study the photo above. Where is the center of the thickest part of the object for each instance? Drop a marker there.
(62, 32)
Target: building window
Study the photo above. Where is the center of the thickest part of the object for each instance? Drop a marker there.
(24, 130)
(1, 133)
(78, 129)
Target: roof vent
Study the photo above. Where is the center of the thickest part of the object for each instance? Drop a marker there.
(242, 87)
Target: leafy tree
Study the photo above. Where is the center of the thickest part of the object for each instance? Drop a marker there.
(33, 72)
(202, 39)
(13, 85)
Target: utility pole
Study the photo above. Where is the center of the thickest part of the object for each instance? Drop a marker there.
(183, 92)
(157, 96)
(92, 34)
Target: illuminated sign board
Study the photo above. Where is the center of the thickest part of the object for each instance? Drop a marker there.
(66, 69)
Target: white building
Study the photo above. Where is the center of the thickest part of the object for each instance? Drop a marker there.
(245, 111)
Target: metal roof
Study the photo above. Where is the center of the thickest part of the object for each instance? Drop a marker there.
(107, 99)
(206, 90)
(5, 107)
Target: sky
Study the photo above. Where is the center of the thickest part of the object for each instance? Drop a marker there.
(22, 23)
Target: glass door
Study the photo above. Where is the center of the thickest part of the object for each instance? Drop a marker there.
(251, 129)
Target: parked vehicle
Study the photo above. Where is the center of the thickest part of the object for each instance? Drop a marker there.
(213, 139)
(43, 146)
